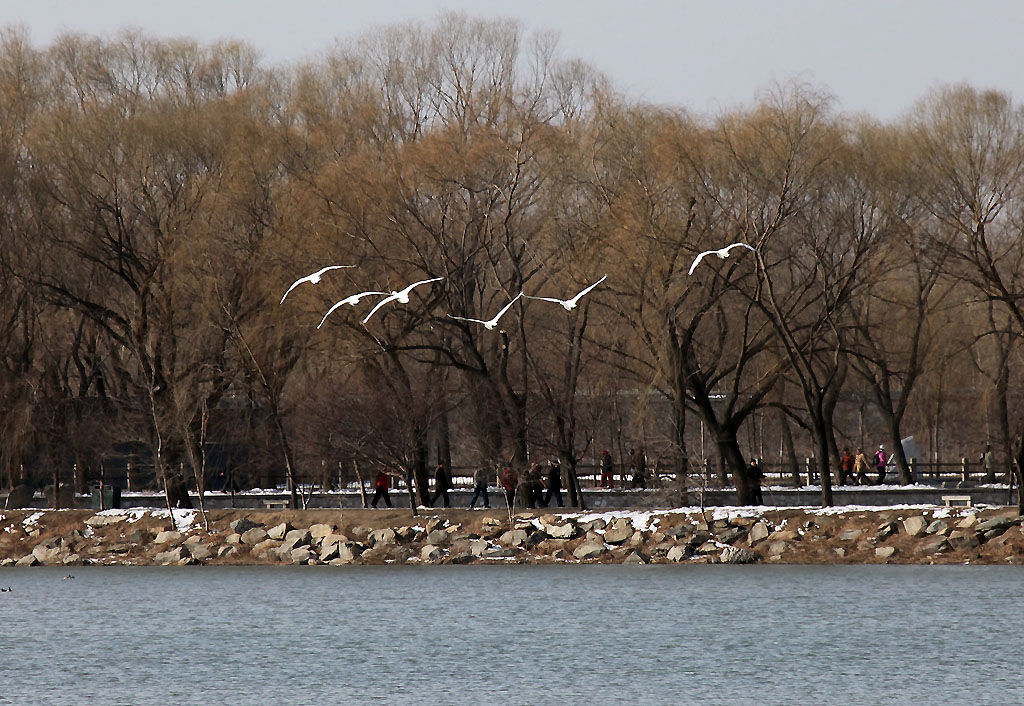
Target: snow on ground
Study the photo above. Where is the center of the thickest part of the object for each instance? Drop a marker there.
(184, 520)
(31, 520)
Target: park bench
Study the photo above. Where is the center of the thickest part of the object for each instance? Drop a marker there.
(957, 500)
(275, 504)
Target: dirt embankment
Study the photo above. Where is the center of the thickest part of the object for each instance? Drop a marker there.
(911, 535)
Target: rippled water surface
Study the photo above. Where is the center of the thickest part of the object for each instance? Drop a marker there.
(512, 635)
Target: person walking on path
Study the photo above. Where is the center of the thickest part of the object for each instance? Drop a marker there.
(846, 467)
(554, 485)
(755, 475)
(607, 470)
(860, 468)
(480, 478)
(442, 482)
(638, 467)
(509, 481)
(881, 460)
(383, 484)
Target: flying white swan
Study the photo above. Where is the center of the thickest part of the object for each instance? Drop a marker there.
(493, 322)
(313, 278)
(401, 296)
(569, 304)
(723, 253)
(351, 301)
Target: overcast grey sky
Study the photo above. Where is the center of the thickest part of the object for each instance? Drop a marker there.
(873, 55)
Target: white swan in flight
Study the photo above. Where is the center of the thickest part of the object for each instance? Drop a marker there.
(400, 296)
(493, 322)
(351, 301)
(723, 253)
(569, 304)
(313, 278)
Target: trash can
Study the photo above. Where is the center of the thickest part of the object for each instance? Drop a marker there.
(107, 497)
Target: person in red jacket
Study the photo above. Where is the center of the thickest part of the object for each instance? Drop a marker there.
(383, 484)
(607, 470)
(509, 481)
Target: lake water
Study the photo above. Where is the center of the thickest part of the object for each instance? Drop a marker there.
(512, 635)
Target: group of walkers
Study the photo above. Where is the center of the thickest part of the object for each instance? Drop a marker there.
(536, 487)
(854, 468)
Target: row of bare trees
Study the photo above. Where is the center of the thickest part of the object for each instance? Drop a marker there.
(157, 198)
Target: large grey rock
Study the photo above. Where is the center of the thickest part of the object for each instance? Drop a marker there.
(677, 532)
(589, 550)
(885, 552)
(265, 547)
(46, 554)
(777, 548)
(618, 532)
(937, 527)
(438, 537)
(254, 536)
(915, 526)
(27, 560)
(227, 550)
(319, 531)
(968, 521)
(102, 520)
(757, 532)
(174, 556)
(382, 536)
(72, 560)
(193, 539)
(680, 552)
(279, 531)
(201, 552)
(707, 548)
(298, 537)
(168, 537)
(513, 538)
(731, 535)
(935, 545)
(477, 546)
(634, 558)
(243, 524)
(431, 553)
(333, 539)
(328, 552)
(566, 531)
(498, 553)
(344, 555)
(302, 555)
(964, 539)
(850, 535)
(735, 555)
(233, 538)
(997, 524)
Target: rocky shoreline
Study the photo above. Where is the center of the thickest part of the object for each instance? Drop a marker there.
(850, 535)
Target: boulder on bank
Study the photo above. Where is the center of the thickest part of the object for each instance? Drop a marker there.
(243, 524)
(168, 537)
(589, 550)
(915, 526)
(618, 531)
(253, 536)
(174, 556)
(735, 555)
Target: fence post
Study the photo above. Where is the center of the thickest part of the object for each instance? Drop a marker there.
(913, 470)
(964, 473)
(128, 476)
(809, 470)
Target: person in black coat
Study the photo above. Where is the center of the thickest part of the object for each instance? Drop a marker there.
(554, 488)
(442, 482)
(755, 475)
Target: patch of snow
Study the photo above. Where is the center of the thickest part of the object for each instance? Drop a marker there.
(32, 519)
(184, 520)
